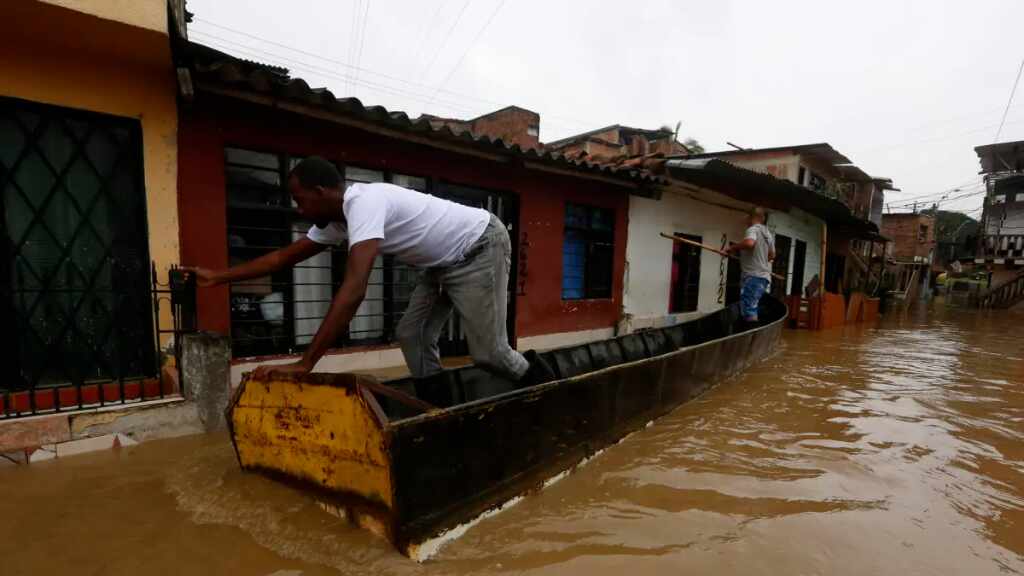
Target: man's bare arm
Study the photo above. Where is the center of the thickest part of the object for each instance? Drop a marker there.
(745, 244)
(345, 303)
(281, 258)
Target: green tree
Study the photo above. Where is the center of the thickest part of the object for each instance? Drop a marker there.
(694, 146)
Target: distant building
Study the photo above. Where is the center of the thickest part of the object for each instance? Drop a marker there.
(912, 237)
(822, 169)
(910, 252)
(618, 140)
(512, 125)
(812, 193)
(1001, 246)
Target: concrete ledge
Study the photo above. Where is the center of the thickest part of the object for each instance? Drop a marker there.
(143, 423)
(40, 438)
(23, 433)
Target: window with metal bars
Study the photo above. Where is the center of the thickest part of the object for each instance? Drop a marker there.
(587, 252)
(281, 313)
(74, 267)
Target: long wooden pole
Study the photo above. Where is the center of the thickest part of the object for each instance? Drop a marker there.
(710, 249)
(698, 245)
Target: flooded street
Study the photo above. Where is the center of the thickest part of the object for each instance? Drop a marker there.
(896, 449)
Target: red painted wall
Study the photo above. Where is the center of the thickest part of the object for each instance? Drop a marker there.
(211, 123)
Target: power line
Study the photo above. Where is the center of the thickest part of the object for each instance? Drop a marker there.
(567, 120)
(418, 54)
(253, 52)
(257, 53)
(353, 28)
(444, 41)
(939, 201)
(362, 40)
(936, 138)
(468, 48)
(1010, 101)
(942, 194)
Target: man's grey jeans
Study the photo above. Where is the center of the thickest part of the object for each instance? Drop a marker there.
(477, 287)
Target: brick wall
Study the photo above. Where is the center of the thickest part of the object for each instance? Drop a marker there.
(905, 232)
(512, 124)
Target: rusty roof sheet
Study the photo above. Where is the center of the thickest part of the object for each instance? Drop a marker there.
(854, 173)
(215, 68)
(767, 190)
(823, 150)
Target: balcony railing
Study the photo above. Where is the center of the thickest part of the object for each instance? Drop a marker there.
(1006, 246)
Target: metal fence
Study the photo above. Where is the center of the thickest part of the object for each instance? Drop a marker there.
(135, 356)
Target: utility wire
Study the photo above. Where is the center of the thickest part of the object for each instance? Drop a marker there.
(362, 41)
(422, 44)
(257, 53)
(942, 194)
(328, 73)
(444, 41)
(936, 138)
(566, 122)
(940, 201)
(468, 48)
(1008, 102)
(352, 30)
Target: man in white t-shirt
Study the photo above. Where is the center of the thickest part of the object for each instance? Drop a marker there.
(464, 253)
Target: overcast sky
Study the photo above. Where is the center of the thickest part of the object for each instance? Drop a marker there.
(905, 89)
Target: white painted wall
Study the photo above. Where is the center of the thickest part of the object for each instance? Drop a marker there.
(649, 256)
(708, 215)
(799, 225)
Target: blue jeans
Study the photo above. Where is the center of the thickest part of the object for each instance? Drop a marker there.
(750, 296)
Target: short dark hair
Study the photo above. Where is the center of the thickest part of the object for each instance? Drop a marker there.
(316, 171)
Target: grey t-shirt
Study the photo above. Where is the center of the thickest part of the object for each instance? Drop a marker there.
(754, 262)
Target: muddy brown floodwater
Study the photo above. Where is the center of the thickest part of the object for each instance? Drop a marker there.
(896, 449)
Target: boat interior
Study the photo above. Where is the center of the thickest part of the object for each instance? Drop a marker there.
(467, 384)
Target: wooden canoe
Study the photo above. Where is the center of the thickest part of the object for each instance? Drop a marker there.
(420, 478)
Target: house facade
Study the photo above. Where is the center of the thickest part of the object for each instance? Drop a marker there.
(825, 171)
(805, 188)
(248, 124)
(89, 213)
(1001, 242)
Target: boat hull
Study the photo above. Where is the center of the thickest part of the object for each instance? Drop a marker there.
(417, 479)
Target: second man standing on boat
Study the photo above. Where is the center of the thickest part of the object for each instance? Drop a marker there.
(756, 251)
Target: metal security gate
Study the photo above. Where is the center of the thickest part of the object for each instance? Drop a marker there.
(75, 278)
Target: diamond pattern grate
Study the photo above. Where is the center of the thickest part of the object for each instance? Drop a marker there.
(74, 273)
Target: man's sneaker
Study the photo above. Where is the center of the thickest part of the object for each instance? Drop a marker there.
(539, 371)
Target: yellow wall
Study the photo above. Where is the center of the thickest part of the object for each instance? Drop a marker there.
(148, 14)
(57, 56)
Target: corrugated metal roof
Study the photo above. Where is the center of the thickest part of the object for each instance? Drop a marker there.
(584, 135)
(766, 190)
(213, 68)
(1001, 157)
(851, 172)
(823, 150)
